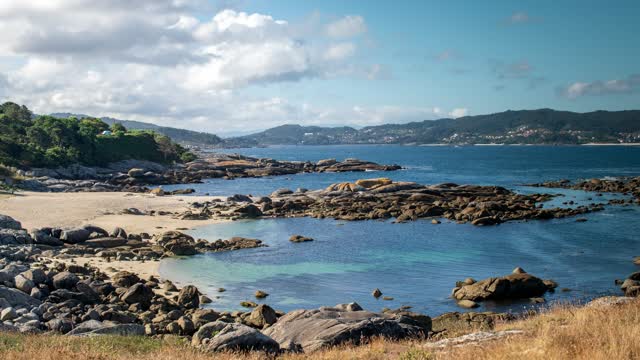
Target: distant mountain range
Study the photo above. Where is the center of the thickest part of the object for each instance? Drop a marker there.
(543, 126)
(178, 135)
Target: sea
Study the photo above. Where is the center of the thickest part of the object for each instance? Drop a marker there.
(417, 263)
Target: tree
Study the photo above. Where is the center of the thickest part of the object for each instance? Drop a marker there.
(16, 112)
(118, 128)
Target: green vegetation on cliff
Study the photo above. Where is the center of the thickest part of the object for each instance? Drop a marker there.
(181, 136)
(47, 141)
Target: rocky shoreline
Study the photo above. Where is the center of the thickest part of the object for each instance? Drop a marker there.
(382, 198)
(43, 289)
(140, 176)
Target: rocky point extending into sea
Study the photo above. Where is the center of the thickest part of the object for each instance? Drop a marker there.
(382, 198)
(138, 176)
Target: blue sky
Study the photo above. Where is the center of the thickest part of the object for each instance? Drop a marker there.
(446, 53)
(238, 66)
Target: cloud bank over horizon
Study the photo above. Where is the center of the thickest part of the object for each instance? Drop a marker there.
(238, 66)
(156, 61)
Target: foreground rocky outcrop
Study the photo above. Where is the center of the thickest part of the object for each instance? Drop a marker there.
(139, 176)
(40, 293)
(369, 199)
(311, 330)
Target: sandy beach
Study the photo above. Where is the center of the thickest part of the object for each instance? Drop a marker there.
(67, 210)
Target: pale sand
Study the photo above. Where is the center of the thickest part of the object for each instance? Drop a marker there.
(67, 210)
(143, 269)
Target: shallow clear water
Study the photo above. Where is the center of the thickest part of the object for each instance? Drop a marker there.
(417, 263)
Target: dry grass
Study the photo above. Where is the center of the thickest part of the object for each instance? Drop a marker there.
(562, 333)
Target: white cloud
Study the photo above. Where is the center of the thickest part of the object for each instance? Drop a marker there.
(519, 18)
(458, 112)
(348, 26)
(340, 51)
(600, 87)
(157, 61)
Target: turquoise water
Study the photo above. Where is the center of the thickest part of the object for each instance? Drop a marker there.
(417, 263)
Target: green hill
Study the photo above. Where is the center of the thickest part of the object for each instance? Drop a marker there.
(47, 141)
(181, 136)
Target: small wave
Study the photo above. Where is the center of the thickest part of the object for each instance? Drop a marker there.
(418, 167)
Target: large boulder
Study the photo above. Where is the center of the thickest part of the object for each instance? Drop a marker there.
(204, 316)
(96, 230)
(75, 236)
(261, 316)
(124, 279)
(14, 237)
(60, 325)
(177, 243)
(105, 242)
(23, 284)
(7, 222)
(65, 280)
(238, 337)
(36, 275)
(138, 294)
(17, 298)
(249, 211)
(42, 237)
(189, 297)
(207, 331)
(372, 183)
(514, 286)
(325, 327)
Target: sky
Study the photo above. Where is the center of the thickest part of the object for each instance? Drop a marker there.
(239, 66)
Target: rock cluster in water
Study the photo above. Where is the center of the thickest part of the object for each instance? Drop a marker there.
(382, 198)
(518, 285)
(629, 186)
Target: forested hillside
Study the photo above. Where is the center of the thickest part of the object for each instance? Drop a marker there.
(47, 141)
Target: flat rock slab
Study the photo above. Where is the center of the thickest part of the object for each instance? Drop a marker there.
(120, 330)
(106, 242)
(311, 330)
(470, 339)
